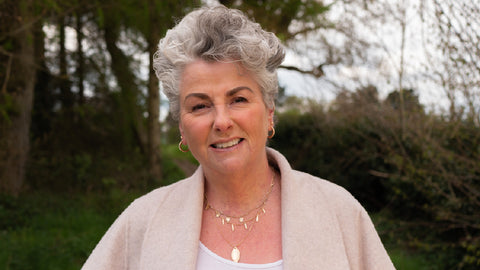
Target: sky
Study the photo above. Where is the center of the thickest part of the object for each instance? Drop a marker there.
(379, 24)
(377, 64)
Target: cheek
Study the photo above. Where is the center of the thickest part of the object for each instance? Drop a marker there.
(262, 123)
(193, 129)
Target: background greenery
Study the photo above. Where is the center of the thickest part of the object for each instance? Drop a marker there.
(79, 139)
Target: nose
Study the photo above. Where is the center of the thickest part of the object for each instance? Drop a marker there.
(222, 121)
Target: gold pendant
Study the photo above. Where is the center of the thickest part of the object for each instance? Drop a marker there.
(235, 254)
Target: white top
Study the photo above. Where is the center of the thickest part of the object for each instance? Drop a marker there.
(207, 260)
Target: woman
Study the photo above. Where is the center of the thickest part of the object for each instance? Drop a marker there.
(244, 207)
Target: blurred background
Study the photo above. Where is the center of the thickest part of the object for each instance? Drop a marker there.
(379, 96)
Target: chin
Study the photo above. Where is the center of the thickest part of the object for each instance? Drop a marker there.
(229, 165)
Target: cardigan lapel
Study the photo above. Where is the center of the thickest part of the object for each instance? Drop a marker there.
(311, 238)
(172, 237)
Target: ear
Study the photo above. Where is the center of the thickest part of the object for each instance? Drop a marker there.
(271, 114)
(180, 128)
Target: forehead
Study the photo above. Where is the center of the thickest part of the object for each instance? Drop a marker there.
(214, 77)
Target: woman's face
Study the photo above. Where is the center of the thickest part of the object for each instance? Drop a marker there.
(223, 118)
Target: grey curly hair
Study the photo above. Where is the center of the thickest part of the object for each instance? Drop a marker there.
(218, 34)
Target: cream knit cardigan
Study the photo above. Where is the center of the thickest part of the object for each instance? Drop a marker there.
(323, 227)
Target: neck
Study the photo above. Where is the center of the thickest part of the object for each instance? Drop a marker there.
(235, 192)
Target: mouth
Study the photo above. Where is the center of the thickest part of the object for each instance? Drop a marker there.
(226, 144)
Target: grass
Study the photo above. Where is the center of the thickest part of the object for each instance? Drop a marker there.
(404, 260)
(55, 231)
(403, 257)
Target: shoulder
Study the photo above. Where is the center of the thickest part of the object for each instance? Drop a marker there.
(320, 189)
(147, 204)
(161, 193)
(304, 186)
(135, 220)
(335, 212)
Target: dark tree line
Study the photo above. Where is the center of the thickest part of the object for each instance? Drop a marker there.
(74, 92)
(424, 176)
(65, 103)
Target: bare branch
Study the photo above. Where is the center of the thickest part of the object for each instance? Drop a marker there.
(8, 69)
(316, 72)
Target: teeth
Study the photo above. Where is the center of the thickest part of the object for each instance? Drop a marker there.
(227, 144)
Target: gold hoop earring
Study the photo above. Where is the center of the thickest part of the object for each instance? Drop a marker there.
(180, 146)
(273, 133)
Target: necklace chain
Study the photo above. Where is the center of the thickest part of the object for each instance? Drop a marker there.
(241, 220)
(240, 242)
(244, 219)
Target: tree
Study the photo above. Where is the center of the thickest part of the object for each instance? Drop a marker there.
(17, 74)
(154, 155)
(286, 19)
(289, 20)
(151, 21)
(159, 20)
(406, 100)
(130, 120)
(452, 31)
(80, 69)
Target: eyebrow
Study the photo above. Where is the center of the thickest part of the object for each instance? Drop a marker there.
(229, 93)
(238, 89)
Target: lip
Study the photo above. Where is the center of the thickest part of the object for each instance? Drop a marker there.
(226, 144)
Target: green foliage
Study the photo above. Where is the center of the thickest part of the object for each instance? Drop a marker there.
(55, 231)
(326, 147)
(58, 225)
(80, 148)
(172, 159)
(437, 174)
(277, 16)
(403, 260)
(406, 98)
(7, 108)
(89, 154)
(420, 170)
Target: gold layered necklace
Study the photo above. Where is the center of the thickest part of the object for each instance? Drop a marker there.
(246, 220)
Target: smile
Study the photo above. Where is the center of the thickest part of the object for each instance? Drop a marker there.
(227, 144)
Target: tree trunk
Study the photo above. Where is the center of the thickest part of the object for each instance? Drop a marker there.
(44, 99)
(80, 59)
(131, 118)
(17, 76)
(154, 157)
(65, 92)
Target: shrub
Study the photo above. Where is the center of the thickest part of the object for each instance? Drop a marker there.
(421, 168)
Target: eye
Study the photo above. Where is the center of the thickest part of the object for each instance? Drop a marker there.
(199, 107)
(239, 100)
